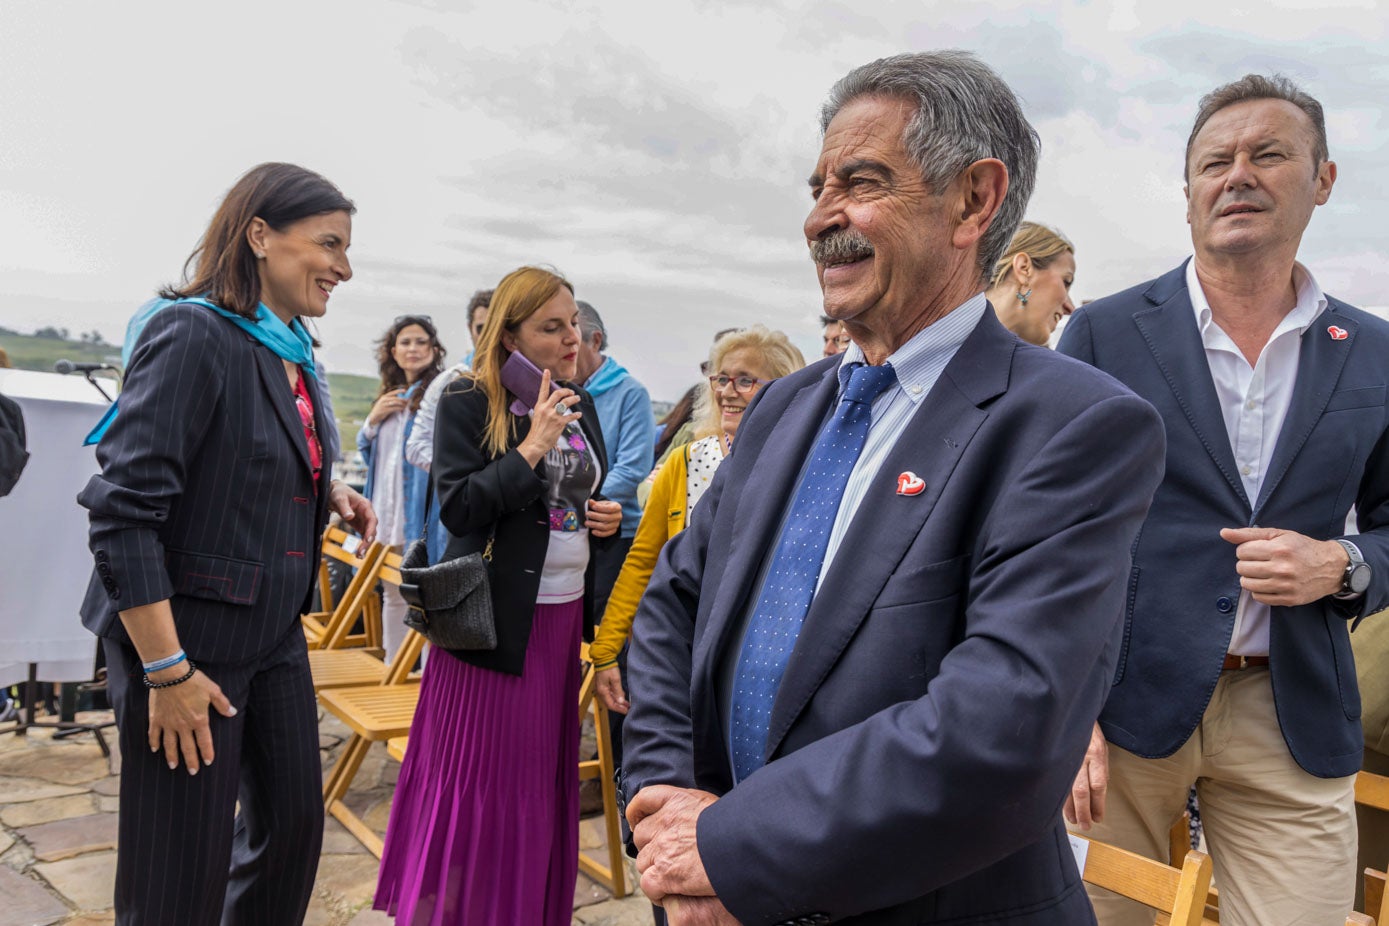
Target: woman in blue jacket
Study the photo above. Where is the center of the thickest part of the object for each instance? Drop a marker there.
(410, 356)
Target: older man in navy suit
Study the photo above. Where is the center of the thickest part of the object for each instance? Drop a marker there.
(1236, 673)
(859, 675)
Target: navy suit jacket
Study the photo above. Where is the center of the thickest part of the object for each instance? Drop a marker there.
(1332, 453)
(943, 687)
(205, 495)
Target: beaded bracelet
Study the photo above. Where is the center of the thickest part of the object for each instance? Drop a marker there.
(168, 662)
(171, 683)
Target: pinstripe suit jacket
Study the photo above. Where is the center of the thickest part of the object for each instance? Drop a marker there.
(205, 494)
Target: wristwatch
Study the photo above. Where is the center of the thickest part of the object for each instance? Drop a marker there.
(1357, 575)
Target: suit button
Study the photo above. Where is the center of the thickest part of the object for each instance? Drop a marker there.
(1224, 605)
(103, 569)
(101, 556)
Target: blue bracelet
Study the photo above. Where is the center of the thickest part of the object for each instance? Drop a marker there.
(165, 663)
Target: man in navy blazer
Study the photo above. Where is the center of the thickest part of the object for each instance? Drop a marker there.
(960, 644)
(1236, 672)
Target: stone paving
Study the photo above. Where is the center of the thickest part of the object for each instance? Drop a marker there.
(58, 837)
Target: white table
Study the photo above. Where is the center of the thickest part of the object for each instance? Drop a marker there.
(44, 560)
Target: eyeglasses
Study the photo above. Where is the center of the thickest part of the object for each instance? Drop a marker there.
(413, 318)
(743, 384)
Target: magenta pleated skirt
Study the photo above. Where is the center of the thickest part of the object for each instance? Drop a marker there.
(484, 825)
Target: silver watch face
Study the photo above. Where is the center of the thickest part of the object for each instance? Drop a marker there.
(1358, 578)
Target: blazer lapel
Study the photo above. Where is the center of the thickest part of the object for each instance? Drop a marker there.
(886, 523)
(760, 505)
(272, 377)
(1171, 334)
(1319, 364)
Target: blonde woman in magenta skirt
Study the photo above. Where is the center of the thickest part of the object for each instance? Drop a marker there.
(484, 825)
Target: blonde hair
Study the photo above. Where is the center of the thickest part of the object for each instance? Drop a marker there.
(1038, 242)
(517, 297)
(778, 355)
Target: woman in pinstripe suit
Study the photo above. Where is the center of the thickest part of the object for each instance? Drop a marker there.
(215, 486)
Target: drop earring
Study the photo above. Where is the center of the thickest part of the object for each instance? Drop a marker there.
(1022, 296)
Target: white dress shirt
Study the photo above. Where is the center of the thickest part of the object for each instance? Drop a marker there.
(1254, 401)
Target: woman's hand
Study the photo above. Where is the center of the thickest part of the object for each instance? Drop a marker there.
(604, 517)
(547, 422)
(354, 509)
(608, 684)
(386, 406)
(178, 717)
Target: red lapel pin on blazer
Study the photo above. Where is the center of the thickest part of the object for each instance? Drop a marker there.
(910, 483)
(1337, 334)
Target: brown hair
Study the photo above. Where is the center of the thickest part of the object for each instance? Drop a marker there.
(481, 300)
(1260, 87)
(1040, 243)
(392, 376)
(517, 297)
(223, 267)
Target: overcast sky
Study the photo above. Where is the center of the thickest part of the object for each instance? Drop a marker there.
(656, 153)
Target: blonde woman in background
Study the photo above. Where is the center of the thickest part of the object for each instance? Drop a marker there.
(740, 364)
(1031, 284)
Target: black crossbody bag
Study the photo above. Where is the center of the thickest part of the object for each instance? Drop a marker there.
(451, 601)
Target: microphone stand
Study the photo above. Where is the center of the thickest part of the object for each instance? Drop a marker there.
(97, 386)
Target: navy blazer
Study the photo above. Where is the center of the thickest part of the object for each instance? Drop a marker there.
(1332, 453)
(482, 496)
(944, 684)
(205, 495)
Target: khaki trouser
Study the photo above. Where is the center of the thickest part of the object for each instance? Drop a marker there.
(1282, 841)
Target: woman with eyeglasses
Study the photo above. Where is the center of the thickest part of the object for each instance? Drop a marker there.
(214, 489)
(409, 356)
(740, 364)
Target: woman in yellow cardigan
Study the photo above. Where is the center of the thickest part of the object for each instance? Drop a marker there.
(740, 363)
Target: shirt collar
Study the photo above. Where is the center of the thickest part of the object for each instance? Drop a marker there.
(1311, 302)
(918, 362)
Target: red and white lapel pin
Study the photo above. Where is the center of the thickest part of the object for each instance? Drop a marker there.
(1337, 333)
(910, 483)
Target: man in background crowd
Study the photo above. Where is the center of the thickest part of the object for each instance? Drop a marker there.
(833, 335)
(629, 433)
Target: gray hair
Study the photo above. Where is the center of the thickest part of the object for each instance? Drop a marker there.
(1258, 87)
(590, 321)
(964, 113)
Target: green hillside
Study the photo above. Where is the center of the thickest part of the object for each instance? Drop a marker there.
(352, 395)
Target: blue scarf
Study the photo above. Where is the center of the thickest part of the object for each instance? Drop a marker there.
(288, 342)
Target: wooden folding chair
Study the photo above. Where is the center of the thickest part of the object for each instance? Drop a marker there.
(336, 667)
(374, 713)
(332, 629)
(613, 876)
(1372, 790)
(1179, 894)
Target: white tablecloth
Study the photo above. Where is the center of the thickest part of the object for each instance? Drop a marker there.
(44, 560)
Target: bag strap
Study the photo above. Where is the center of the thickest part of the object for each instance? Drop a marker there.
(424, 531)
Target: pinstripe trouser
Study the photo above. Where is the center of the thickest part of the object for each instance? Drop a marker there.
(184, 854)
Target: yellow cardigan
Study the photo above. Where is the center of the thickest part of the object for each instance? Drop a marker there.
(662, 519)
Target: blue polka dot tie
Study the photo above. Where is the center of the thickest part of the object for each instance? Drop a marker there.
(790, 583)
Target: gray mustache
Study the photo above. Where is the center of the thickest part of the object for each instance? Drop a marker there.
(841, 246)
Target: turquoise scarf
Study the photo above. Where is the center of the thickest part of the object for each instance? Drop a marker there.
(288, 342)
